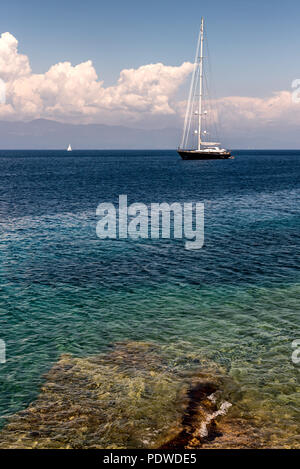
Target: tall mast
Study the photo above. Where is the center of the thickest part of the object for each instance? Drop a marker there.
(200, 85)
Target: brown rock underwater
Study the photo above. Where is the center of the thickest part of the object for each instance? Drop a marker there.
(130, 398)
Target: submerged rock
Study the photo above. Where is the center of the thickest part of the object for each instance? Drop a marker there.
(128, 398)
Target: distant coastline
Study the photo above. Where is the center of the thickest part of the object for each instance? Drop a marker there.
(44, 134)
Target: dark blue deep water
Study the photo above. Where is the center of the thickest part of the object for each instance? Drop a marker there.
(235, 301)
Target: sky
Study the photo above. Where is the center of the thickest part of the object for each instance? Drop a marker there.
(254, 50)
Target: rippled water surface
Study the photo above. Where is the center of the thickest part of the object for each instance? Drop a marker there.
(235, 302)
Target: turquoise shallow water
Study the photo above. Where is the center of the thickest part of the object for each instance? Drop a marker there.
(235, 301)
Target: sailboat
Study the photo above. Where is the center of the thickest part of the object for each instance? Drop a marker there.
(193, 144)
(69, 147)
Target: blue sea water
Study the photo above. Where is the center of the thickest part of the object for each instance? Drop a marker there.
(235, 301)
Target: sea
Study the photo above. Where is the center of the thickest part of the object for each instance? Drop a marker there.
(232, 305)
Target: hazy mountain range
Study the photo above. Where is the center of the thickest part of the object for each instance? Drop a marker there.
(48, 134)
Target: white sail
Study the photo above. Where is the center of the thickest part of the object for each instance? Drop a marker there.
(199, 124)
(69, 147)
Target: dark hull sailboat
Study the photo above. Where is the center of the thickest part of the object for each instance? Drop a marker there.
(201, 149)
(203, 155)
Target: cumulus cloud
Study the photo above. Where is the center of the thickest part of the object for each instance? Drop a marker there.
(75, 92)
(241, 109)
(260, 110)
(12, 64)
(143, 95)
(253, 122)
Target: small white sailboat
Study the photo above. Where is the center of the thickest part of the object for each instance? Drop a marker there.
(69, 147)
(199, 148)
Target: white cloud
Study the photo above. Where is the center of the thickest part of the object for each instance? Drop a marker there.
(73, 93)
(144, 95)
(260, 110)
(12, 64)
(250, 110)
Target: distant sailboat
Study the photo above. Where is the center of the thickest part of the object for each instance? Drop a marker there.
(200, 149)
(69, 147)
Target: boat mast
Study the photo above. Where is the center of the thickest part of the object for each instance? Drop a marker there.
(200, 85)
